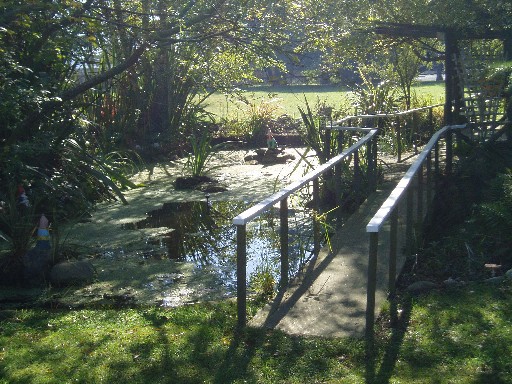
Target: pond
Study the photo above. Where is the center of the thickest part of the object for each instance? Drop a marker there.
(201, 233)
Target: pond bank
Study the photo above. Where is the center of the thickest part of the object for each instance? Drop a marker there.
(132, 265)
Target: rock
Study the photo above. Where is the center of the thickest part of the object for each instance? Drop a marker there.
(269, 156)
(72, 273)
(508, 274)
(191, 182)
(200, 183)
(495, 280)
(421, 286)
(451, 283)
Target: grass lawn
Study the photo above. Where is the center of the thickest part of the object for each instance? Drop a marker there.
(451, 336)
(287, 99)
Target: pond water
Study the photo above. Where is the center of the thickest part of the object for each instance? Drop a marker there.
(202, 233)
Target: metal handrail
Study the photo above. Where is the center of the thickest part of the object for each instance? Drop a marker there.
(389, 210)
(270, 201)
(282, 197)
(391, 114)
(394, 198)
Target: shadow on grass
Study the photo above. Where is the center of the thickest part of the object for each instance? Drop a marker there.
(399, 318)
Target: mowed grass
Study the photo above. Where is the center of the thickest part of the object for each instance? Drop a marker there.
(451, 336)
(287, 99)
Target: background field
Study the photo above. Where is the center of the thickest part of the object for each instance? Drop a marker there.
(286, 99)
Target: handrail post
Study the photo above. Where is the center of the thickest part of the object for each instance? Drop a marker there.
(338, 169)
(420, 195)
(449, 152)
(431, 120)
(409, 222)
(316, 213)
(327, 141)
(393, 247)
(241, 274)
(415, 134)
(357, 171)
(370, 294)
(398, 139)
(429, 178)
(283, 214)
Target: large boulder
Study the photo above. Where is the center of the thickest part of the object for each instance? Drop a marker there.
(72, 273)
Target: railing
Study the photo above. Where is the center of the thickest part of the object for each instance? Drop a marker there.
(403, 123)
(389, 210)
(281, 197)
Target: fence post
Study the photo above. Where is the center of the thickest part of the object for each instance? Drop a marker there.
(398, 139)
(415, 132)
(449, 151)
(357, 171)
(393, 247)
(429, 178)
(409, 222)
(283, 214)
(431, 121)
(316, 210)
(420, 195)
(338, 185)
(241, 274)
(370, 294)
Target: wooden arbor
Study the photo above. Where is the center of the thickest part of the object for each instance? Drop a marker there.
(454, 81)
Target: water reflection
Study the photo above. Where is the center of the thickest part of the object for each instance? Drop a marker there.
(201, 232)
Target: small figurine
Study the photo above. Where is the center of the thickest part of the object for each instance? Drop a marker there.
(22, 197)
(43, 234)
(271, 141)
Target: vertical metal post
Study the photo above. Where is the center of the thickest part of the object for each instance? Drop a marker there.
(327, 142)
(429, 178)
(436, 164)
(420, 194)
(283, 214)
(316, 223)
(338, 185)
(431, 121)
(398, 139)
(369, 165)
(393, 247)
(370, 294)
(449, 152)
(357, 171)
(241, 274)
(415, 134)
(409, 222)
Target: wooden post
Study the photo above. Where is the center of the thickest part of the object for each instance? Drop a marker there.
(283, 214)
(241, 274)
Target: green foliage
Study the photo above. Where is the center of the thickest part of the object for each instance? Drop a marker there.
(17, 226)
(262, 281)
(313, 131)
(375, 96)
(202, 152)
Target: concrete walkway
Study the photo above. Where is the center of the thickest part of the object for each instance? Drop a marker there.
(328, 298)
